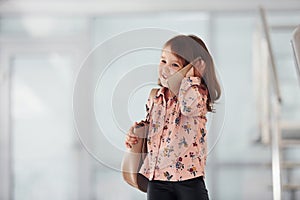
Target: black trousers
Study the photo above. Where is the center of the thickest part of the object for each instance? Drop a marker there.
(192, 189)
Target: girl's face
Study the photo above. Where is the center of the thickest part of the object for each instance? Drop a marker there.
(169, 64)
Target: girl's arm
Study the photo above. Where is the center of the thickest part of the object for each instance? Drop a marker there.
(192, 99)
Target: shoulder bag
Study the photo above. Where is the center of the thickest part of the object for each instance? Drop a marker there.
(134, 157)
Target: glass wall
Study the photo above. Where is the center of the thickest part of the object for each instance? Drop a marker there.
(40, 57)
(45, 162)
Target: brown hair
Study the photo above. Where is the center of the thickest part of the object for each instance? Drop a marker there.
(187, 48)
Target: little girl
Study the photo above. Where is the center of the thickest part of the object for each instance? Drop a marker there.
(177, 138)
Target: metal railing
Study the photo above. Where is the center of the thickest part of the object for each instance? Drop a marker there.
(273, 111)
(296, 49)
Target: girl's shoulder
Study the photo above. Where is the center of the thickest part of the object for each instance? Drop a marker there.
(154, 93)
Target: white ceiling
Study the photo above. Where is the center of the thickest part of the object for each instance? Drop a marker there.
(94, 7)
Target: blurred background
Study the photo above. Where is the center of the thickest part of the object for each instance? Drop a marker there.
(44, 46)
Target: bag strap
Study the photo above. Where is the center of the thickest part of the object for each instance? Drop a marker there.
(153, 92)
(144, 150)
(151, 97)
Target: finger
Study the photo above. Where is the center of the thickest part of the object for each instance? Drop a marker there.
(128, 145)
(131, 140)
(200, 67)
(133, 136)
(200, 64)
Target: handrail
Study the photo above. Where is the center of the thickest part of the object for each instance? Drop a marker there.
(273, 65)
(276, 172)
(295, 42)
(274, 115)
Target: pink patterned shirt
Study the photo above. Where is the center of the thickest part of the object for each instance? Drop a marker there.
(176, 142)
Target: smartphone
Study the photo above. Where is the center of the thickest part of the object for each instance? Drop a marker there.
(174, 81)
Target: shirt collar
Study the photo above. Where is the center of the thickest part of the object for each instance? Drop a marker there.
(161, 91)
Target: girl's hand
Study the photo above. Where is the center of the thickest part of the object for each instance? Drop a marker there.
(131, 139)
(199, 68)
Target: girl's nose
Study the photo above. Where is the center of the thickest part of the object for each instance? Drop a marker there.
(166, 69)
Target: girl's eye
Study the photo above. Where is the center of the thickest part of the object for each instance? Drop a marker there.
(175, 65)
(163, 61)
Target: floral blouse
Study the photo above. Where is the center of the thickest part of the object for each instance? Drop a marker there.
(177, 135)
